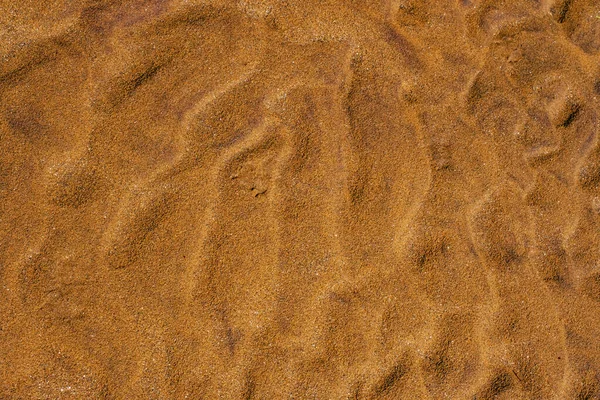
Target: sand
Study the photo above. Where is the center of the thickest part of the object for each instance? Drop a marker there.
(284, 199)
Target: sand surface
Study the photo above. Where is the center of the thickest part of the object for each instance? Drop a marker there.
(286, 199)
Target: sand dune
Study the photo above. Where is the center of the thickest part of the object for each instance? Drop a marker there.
(264, 199)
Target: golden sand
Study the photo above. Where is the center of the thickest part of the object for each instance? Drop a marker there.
(285, 199)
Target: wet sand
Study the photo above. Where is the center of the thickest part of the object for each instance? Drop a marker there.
(263, 199)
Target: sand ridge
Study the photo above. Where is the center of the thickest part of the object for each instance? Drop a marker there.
(265, 199)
